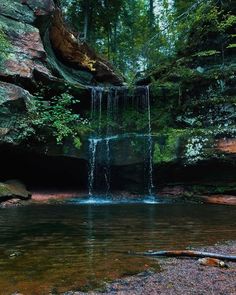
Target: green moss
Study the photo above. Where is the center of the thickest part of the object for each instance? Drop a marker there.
(166, 151)
(213, 188)
(4, 190)
(77, 143)
(190, 144)
(4, 45)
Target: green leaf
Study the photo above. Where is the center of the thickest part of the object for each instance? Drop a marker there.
(231, 45)
(206, 53)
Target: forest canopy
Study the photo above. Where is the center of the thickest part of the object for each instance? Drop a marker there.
(136, 35)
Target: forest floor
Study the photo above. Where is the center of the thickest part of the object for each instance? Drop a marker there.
(179, 276)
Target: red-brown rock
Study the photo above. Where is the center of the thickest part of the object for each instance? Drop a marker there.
(220, 199)
(227, 145)
(78, 54)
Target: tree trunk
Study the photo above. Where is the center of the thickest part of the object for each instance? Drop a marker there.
(151, 13)
(114, 43)
(86, 19)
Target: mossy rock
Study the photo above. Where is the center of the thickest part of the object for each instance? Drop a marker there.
(13, 189)
(15, 10)
(166, 150)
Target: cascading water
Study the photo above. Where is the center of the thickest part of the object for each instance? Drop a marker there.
(92, 164)
(150, 178)
(96, 105)
(109, 101)
(108, 166)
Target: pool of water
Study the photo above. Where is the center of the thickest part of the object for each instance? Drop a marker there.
(57, 248)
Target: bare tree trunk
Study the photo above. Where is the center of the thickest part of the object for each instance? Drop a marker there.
(86, 19)
(151, 13)
(114, 49)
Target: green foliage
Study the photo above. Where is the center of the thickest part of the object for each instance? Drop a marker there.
(57, 116)
(130, 119)
(117, 29)
(232, 45)
(54, 119)
(135, 36)
(133, 120)
(206, 27)
(167, 151)
(227, 22)
(77, 143)
(206, 53)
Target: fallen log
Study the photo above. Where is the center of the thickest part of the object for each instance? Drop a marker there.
(187, 253)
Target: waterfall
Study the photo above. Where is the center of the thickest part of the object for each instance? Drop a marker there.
(150, 178)
(111, 102)
(108, 166)
(92, 164)
(96, 106)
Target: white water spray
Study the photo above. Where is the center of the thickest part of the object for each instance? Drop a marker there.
(93, 143)
(150, 151)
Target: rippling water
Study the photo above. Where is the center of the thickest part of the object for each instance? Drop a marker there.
(58, 248)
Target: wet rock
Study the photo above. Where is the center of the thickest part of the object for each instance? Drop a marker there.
(16, 202)
(13, 189)
(10, 93)
(15, 104)
(14, 254)
(220, 199)
(15, 10)
(25, 56)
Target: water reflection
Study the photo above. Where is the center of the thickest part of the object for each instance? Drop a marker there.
(68, 247)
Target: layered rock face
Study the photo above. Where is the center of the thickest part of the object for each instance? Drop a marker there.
(35, 53)
(25, 56)
(15, 103)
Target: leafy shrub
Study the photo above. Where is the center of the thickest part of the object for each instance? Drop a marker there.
(56, 116)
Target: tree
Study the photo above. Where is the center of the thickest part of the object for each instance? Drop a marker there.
(151, 13)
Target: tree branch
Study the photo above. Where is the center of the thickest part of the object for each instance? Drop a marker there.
(187, 253)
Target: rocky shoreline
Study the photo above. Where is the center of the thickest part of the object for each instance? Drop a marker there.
(179, 276)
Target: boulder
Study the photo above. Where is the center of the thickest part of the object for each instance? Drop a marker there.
(15, 10)
(13, 189)
(40, 7)
(15, 105)
(220, 199)
(25, 56)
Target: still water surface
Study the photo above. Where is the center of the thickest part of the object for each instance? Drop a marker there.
(58, 248)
